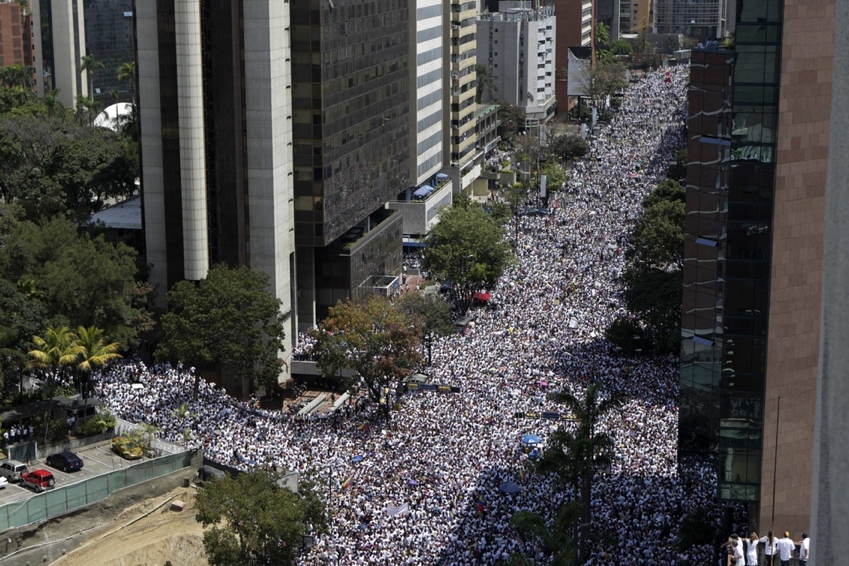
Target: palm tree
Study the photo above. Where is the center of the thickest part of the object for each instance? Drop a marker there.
(87, 110)
(90, 64)
(557, 541)
(93, 351)
(576, 456)
(57, 350)
(127, 74)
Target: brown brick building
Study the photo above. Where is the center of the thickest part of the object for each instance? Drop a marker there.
(15, 36)
(575, 25)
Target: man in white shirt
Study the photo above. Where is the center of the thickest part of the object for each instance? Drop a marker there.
(771, 548)
(804, 550)
(786, 546)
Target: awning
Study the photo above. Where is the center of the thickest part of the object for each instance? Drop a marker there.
(531, 439)
(423, 191)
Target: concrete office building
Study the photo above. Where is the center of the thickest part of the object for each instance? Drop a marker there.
(60, 44)
(215, 116)
(15, 35)
(575, 28)
(460, 80)
(634, 15)
(351, 112)
(702, 19)
(759, 131)
(518, 46)
(430, 188)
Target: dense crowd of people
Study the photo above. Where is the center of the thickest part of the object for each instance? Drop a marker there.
(440, 481)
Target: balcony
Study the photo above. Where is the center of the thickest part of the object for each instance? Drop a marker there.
(421, 213)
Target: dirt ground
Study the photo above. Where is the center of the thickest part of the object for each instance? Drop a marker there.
(163, 535)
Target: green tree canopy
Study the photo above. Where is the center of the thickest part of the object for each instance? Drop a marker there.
(658, 238)
(567, 147)
(51, 165)
(431, 315)
(375, 338)
(255, 522)
(228, 321)
(21, 317)
(80, 280)
(467, 248)
(668, 190)
(606, 79)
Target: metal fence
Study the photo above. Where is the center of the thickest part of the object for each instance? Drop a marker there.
(65, 499)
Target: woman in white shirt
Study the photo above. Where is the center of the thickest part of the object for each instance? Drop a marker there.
(771, 548)
(751, 549)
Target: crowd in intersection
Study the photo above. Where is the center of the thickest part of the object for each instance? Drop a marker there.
(428, 487)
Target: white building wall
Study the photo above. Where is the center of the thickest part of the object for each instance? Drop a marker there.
(268, 110)
(427, 118)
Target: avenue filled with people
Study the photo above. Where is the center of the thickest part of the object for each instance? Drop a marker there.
(439, 482)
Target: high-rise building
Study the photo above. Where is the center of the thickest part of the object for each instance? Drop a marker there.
(60, 45)
(702, 19)
(575, 28)
(634, 15)
(460, 80)
(517, 44)
(109, 39)
(216, 130)
(351, 113)
(753, 256)
(15, 35)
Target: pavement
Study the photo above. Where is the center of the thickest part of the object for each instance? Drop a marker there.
(97, 459)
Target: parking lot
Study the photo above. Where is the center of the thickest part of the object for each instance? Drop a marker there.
(97, 460)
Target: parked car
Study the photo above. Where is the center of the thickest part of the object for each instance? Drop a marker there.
(38, 480)
(12, 470)
(3, 482)
(65, 461)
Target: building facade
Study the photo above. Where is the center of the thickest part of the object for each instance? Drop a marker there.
(802, 153)
(728, 249)
(702, 19)
(351, 113)
(635, 16)
(758, 153)
(60, 44)
(517, 44)
(575, 25)
(460, 80)
(215, 118)
(110, 40)
(15, 35)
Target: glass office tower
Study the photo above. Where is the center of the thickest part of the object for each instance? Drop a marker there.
(730, 184)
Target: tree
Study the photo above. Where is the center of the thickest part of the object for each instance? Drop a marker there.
(126, 73)
(556, 542)
(373, 337)
(90, 64)
(567, 147)
(606, 79)
(255, 522)
(574, 457)
(228, 321)
(431, 315)
(79, 279)
(555, 176)
(57, 350)
(654, 296)
(658, 238)
(21, 317)
(52, 165)
(602, 36)
(17, 76)
(621, 47)
(667, 190)
(511, 121)
(466, 248)
(94, 352)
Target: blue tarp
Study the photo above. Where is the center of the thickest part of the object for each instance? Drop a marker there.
(356, 459)
(531, 439)
(511, 487)
(423, 191)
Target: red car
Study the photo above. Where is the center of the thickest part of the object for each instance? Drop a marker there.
(38, 480)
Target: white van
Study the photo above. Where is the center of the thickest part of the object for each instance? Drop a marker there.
(12, 470)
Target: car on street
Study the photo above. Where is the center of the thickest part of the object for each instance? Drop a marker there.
(38, 480)
(65, 461)
(3, 482)
(12, 470)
